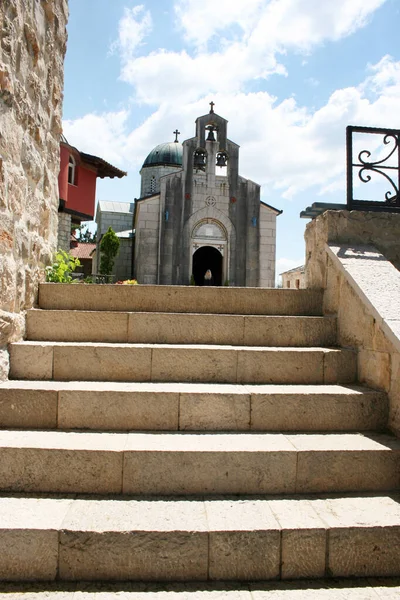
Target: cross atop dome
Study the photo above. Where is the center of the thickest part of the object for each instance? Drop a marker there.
(176, 133)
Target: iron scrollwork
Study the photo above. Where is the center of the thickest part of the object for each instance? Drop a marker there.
(366, 167)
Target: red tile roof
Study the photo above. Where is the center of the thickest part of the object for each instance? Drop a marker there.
(82, 250)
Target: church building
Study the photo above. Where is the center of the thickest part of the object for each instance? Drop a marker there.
(197, 214)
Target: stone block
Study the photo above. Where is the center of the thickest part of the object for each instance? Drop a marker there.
(139, 556)
(205, 463)
(366, 551)
(394, 395)
(374, 369)
(164, 328)
(303, 538)
(355, 323)
(289, 331)
(119, 407)
(28, 555)
(244, 540)
(280, 365)
(74, 326)
(60, 462)
(29, 537)
(134, 540)
(102, 362)
(191, 363)
(27, 407)
(30, 360)
(340, 366)
(346, 462)
(214, 411)
(316, 408)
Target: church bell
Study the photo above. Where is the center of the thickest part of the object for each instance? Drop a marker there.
(199, 160)
(221, 160)
(211, 136)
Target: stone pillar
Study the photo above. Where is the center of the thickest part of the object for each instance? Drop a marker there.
(64, 231)
(32, 48)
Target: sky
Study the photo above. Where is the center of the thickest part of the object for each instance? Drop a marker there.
(289, 75)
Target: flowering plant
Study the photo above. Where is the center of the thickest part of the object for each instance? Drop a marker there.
(128, 282)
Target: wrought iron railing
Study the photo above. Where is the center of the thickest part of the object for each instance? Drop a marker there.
(363, 166)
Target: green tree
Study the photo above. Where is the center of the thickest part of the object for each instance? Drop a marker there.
(109, 247)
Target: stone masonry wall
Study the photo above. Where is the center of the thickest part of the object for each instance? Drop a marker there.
(380, 229)
(32, 48)
(64, 231)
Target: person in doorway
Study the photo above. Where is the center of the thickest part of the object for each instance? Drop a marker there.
(208, 278)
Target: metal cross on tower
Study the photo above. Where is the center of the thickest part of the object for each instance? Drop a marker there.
(176, 133)
(212, 104)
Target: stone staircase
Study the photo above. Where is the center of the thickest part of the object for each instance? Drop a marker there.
(173, 434)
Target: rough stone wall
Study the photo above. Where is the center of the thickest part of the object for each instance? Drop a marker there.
(362, 290)
(64, 231)
(267, 247)
(146, 243)
(157, 172)
(343, 227)
(32, 48)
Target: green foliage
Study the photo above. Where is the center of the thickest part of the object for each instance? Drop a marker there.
(84, 235)
(226, 282)
(62, 267)
(109, 247)
(192, 281)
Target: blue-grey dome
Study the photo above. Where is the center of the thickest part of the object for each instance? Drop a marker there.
(169, 153)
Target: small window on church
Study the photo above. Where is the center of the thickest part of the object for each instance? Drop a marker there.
(153, 185)
(221, 164)
(71, 170)
(199, 160)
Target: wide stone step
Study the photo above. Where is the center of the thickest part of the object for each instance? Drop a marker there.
(201, 540)
(180, 363)
(181, 299)
(190, 406)
(372, 588)
(197, 463)
(179, 328)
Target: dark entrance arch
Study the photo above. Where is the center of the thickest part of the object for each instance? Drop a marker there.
(205, 258)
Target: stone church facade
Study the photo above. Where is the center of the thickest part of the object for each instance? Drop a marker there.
(202, 215)
(197, 213)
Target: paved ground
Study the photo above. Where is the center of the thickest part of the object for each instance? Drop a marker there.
(360, 589)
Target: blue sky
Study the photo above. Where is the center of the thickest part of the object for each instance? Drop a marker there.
(289, 75)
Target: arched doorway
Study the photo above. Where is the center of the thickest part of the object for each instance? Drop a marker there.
(205, 258)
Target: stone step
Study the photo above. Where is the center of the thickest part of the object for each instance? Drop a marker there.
(182, 299)
(179, 328)
(180, 363)
(190, 406)
(202, 540)
(197, 463)
(371, 588)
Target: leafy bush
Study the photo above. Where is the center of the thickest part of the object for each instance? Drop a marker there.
(62, 267)
(109, 247)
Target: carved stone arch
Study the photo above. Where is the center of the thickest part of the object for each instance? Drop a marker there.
(215, 229)
(210, 212)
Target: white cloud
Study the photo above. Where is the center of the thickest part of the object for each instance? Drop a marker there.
(254, 40)
(274, 23)
(286, 147)
(101, 134)
(134, 26)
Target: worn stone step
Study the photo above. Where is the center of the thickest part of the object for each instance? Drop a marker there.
(372, 588)
(179, 328)
(197, 463)
(180, 363)
(191, 406)
(167, 298)
(201, 540)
